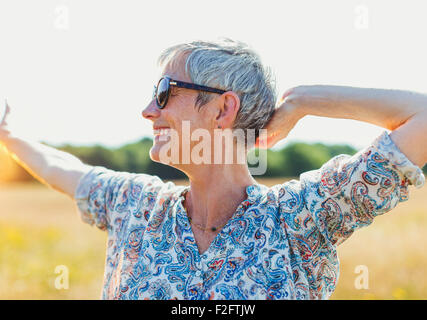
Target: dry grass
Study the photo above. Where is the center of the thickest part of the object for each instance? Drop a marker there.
(40, 229)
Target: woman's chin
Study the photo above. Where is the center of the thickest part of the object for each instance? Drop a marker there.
(155, 153)
(157, 156)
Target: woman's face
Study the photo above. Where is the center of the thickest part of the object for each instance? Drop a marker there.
(173, 121)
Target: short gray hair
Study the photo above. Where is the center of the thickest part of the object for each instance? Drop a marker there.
(229, 65)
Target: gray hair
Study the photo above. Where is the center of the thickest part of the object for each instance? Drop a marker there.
(229, 65)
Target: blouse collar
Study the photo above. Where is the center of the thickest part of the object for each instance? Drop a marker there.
(254, 192)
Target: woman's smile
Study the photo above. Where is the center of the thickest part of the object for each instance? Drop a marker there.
(161, 133)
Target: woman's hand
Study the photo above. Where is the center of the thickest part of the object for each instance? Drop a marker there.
(4, 128)
(285, 117)
(58, 169)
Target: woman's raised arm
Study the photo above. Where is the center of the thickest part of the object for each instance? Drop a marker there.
(403, 112)
(57, 169)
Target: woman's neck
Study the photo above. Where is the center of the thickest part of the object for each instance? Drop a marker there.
(215, 193)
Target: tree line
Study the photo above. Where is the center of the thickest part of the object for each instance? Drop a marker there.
(290, 161)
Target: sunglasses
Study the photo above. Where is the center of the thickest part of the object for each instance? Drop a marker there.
(163, 89)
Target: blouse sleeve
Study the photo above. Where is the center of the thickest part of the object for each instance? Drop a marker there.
(348, 192)
(103, 196)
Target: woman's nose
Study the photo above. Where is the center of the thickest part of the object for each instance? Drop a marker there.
(151, 111)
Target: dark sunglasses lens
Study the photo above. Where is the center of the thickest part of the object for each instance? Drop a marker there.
(162, 92)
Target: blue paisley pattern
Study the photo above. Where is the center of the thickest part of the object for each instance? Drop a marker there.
(281, 242)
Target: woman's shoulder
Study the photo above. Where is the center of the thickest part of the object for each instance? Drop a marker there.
(287, 188)
(287, 193)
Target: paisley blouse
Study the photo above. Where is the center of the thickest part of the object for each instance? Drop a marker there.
(280, 243)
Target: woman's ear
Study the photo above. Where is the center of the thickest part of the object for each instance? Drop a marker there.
(229, 105)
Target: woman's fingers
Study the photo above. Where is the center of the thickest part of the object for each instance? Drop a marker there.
(284, 119)
(7, 108)
(4, 110)
(267, 142)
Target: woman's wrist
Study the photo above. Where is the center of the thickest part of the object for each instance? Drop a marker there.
(319, 100)
(297, 101)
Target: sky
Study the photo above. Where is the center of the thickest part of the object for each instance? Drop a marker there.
(82, 71)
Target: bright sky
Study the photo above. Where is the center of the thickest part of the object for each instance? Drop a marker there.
(81, 71)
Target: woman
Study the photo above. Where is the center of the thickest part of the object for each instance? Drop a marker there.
(224, 236)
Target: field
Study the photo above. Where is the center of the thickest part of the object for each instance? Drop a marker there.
(40, 230)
